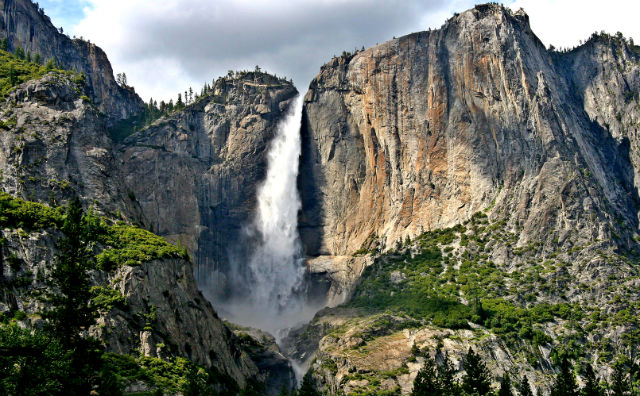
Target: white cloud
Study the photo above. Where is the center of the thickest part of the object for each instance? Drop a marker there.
(564, 23)
(165, 46)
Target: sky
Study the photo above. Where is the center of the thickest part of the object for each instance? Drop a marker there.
(166, 46)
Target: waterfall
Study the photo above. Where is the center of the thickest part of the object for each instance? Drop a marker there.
(276, 265)
(269, 281)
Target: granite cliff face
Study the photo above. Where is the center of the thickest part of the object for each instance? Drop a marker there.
(438, 129)
(195, 174)
(55, 145)
(25, 26)
(425, 130)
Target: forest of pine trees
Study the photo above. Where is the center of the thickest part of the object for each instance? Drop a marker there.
(439, 380)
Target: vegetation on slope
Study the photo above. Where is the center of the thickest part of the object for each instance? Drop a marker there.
(19, 67)
(122, 244)
(58, 357)
(446, 278)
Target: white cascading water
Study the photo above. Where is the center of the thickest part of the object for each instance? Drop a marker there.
(275, 273)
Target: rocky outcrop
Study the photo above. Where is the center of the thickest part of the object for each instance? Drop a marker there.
(423, 131)
(275, 368)
(385, 352)
(166, 315)
(604, 76)
(25, 26)
(195, 174)
(55, 145)
(341, 273)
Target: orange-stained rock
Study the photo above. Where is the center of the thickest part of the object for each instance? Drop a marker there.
(423, 131)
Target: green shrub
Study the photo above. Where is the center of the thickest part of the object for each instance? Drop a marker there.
(17, 213)
(105, 298)
(177, 375)
(123, 244)
(15, 70)
(129, 245)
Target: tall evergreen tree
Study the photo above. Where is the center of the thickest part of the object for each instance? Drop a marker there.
(591, 384)
(447, 382)
(620, 386)
(524, 388)
(306, 388)
(19, 53)
(476, 378)
(505, 386)
(565, 382)
(426, 382)
(72, 313)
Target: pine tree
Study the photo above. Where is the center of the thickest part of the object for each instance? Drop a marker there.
(619, 384)
(591, 385)
(426, 382)
(476, 378)
(121, 79)
(307, 389)
(51, 64)
(19, 53)
(72, 313)
(524, 388)
(12, 75)
(565, 383)
(447, 382)
(70, 275)
(505, 386)
(37, 59)
(3, 44)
